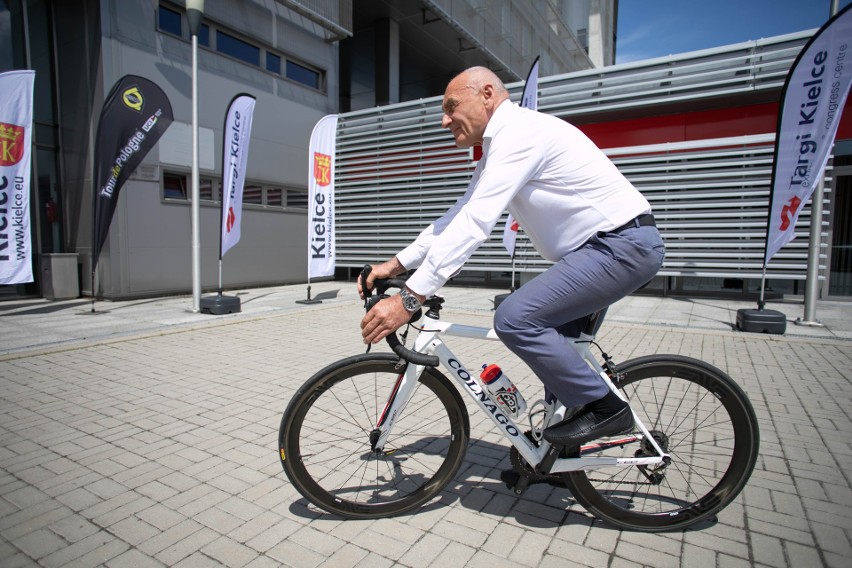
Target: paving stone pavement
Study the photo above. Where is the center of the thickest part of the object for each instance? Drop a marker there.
(146, 435)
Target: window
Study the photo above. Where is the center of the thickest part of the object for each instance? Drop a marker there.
(274, 196)
(273, 63)
(170, 21)
(177, 187)
(204, 35)
(297, 199)
(174, 186)
(238, 48)
(205, 189)
(303, 75)
(253, 194)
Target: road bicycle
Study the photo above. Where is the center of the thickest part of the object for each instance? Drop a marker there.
(376, 435)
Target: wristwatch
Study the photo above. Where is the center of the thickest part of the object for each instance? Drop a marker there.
(409, 301)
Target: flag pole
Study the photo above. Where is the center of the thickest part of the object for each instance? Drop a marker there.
(308, 300)
(812, 278)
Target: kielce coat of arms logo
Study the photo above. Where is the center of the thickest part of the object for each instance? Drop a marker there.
(322, 169)
(11, 144)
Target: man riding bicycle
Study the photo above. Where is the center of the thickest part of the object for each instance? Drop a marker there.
(578, 210)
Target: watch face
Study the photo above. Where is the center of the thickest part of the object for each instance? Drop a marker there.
(409, 302)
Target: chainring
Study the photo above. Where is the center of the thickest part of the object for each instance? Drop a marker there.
(521, 467)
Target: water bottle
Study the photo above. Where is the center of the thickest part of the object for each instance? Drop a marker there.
(502, 391)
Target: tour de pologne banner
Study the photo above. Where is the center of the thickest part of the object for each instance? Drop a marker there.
(16, 121)
(237, 134)
(529, 99)
(135, 115)
(321, 198)
(811, 104)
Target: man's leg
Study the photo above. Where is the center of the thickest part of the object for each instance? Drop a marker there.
(591, 278)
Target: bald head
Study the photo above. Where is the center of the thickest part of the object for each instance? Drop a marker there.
(470, 100)
(479, 77)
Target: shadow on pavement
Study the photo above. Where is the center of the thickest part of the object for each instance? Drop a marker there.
(48, 309)
(327, 295)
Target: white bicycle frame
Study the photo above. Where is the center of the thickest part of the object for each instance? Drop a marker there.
(428, 341)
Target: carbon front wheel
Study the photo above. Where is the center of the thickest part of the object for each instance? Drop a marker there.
(702, 419)
(327, 436)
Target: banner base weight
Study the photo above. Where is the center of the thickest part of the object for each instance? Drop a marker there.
(761, 321)
(219, 304)
(309, 300)
(498, 299)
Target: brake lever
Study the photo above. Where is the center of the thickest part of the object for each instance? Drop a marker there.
(368, 292)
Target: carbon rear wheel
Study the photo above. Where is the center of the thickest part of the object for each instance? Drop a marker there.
(702, 419)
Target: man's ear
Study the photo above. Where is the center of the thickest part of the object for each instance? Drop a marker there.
(488, 95)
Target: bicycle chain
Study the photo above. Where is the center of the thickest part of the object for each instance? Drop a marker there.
(521, 466)
(621, 482)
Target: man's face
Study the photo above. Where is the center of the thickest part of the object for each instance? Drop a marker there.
(465, 112)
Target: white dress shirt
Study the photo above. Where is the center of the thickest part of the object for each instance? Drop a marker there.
(556, 183)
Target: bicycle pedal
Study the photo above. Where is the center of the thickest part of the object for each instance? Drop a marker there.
(521, 485)
(515, 482)
(510, 478)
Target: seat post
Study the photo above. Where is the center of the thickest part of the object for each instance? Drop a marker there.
(593, 324)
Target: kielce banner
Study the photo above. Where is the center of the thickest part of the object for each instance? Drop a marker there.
(811, 104)
(16, 125)
(136, 113)
(235, 156)
(529, 99)
(321, 198)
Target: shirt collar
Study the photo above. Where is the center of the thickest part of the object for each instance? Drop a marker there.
(498, 120)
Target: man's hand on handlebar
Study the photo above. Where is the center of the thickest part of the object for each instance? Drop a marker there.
(384, 270)
(386, 313)
(383, 319)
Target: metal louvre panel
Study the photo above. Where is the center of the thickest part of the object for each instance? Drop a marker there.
(397, 171)
(742, 68)
(711, 207)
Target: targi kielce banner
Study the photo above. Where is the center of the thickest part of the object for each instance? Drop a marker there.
(529, 99)
(811, 103)
(235, 156)
(321, 252)
(135, 115)
(16, 121)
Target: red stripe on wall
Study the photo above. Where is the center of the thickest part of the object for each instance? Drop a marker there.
(721, 123)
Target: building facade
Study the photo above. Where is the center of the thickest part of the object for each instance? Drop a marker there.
(301, 59)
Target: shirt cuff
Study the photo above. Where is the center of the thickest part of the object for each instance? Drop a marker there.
(410, 257)
(423, 283)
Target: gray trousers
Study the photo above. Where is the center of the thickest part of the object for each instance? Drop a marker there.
(535, 320)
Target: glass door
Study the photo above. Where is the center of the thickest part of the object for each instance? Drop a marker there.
(840, 254)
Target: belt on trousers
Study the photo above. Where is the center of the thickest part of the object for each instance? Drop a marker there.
(644, 220)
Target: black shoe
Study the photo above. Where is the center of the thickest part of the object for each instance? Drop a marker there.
(598, 420)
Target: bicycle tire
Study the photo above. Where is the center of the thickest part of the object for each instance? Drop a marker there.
(707, 425)
(325, 446)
